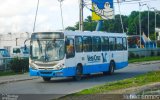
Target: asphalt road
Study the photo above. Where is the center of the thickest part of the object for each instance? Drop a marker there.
(62, 86)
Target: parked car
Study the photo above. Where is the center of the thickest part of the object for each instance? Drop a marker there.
(4, 53)
(1, 61)
(20, 52)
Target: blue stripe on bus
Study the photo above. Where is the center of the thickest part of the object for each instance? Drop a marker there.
(70, 71)
(95, 68)
(121, 65)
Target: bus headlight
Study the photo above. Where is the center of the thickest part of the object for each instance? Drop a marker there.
(59, 66)
(33, 67)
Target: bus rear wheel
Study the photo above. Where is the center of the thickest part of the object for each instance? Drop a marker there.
(46, 79)
(78, 75)
(111, 69)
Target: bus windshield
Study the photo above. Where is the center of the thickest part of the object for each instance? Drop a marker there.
(47, 50)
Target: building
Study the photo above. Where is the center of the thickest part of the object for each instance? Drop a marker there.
(10, 40)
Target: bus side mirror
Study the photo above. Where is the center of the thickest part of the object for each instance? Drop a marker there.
(25, 47)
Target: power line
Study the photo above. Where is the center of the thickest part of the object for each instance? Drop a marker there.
(123, 2)
(36, 16)
(135, 1)
(60, 1)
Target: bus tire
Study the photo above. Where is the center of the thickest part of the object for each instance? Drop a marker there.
(111, 68)
(78, 75)
(46, 79)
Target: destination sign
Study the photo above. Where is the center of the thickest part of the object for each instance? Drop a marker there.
(47, 35)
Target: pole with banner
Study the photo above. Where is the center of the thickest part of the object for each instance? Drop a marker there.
(102, 10)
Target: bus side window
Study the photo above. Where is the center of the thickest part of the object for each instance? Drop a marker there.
(96, 44)
(87, 44)
(105, 43)
(70, 52)
(78, 44)
(119, 44)
(124, 44)
(112, 43)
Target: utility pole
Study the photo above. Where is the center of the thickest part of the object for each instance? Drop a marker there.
(16, 41)
(155, 24)
(148, 20)
(140, 31)
(35, 16)
(155, 11)
(120, 17)
(81, 15)
(60, 1)
(140, 23)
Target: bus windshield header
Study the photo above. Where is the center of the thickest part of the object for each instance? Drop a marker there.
(47, 35)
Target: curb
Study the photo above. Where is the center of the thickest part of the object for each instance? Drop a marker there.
(17, 80)
(146, 62)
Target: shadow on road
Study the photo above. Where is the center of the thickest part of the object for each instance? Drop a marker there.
(96, 77)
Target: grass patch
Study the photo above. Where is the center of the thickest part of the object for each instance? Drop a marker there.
(8, 73)
(153, 58)
(140, 80)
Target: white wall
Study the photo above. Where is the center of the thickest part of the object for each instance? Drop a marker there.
(8, 41)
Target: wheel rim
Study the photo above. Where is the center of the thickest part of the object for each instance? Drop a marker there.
(78, 73)
(112, 67)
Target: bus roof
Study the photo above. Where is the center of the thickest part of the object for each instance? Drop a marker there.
(94, 33)
(87, 33)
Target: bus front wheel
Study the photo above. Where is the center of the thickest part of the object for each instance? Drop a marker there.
(78, 75)
(47, 79)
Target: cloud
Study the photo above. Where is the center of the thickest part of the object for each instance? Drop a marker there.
(19, 15)
(13, 7)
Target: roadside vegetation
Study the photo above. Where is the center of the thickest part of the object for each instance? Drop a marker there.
(8, 73)
(140, 80)
(143, 59)
(17, 66)
(131, 23)
(148, 78)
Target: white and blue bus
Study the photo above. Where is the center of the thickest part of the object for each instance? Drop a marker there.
(76, 53)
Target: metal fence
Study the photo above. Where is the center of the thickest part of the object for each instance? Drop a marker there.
(145, 52)
(5, 63)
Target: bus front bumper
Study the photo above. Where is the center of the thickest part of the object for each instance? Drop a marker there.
(52, 73)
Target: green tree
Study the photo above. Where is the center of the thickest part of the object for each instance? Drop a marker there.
(70, 28)
(133, 23)
(130, 23)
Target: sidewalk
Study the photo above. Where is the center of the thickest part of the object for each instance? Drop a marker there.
(143, 63)
(15, 78)
(147, 62)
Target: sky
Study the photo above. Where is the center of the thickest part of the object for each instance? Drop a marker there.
(18, 15)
